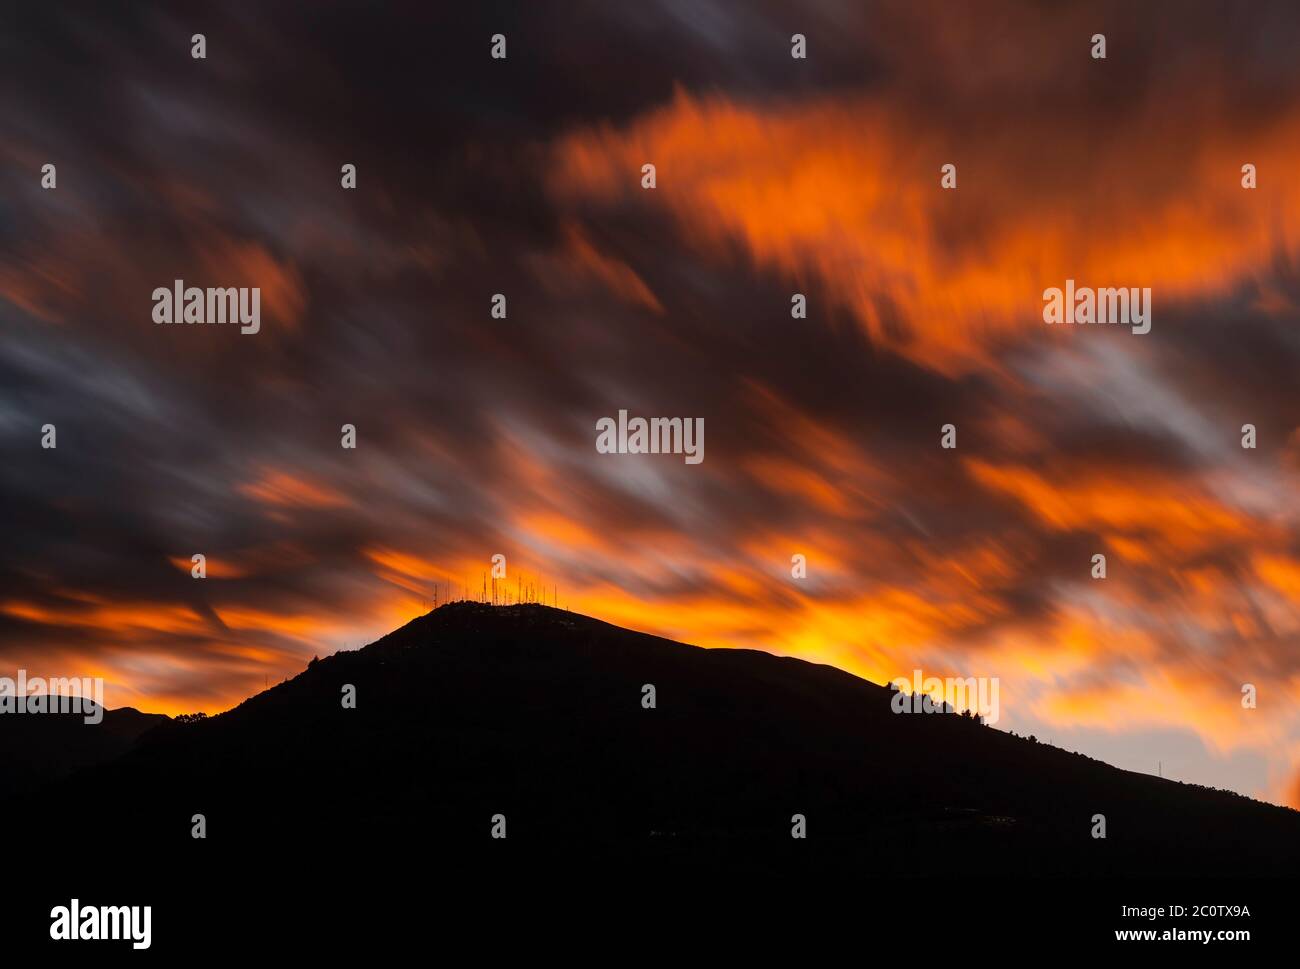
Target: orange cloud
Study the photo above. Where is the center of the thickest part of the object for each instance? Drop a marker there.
(1119, 499)
(1281, 572)
(228, 262)
(118, 620)
(847, 190)
(282, 489)
(294, 626)
(584, 261)
(1165, 696)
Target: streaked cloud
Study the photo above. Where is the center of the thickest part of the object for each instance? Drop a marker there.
(475, 436)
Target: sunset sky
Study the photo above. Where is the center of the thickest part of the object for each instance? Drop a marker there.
(475, 436)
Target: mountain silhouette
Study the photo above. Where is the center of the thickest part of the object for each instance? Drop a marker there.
(37, 748)
(536, 714)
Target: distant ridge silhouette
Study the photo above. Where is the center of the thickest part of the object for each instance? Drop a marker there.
(534, 713)
(37, 748)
